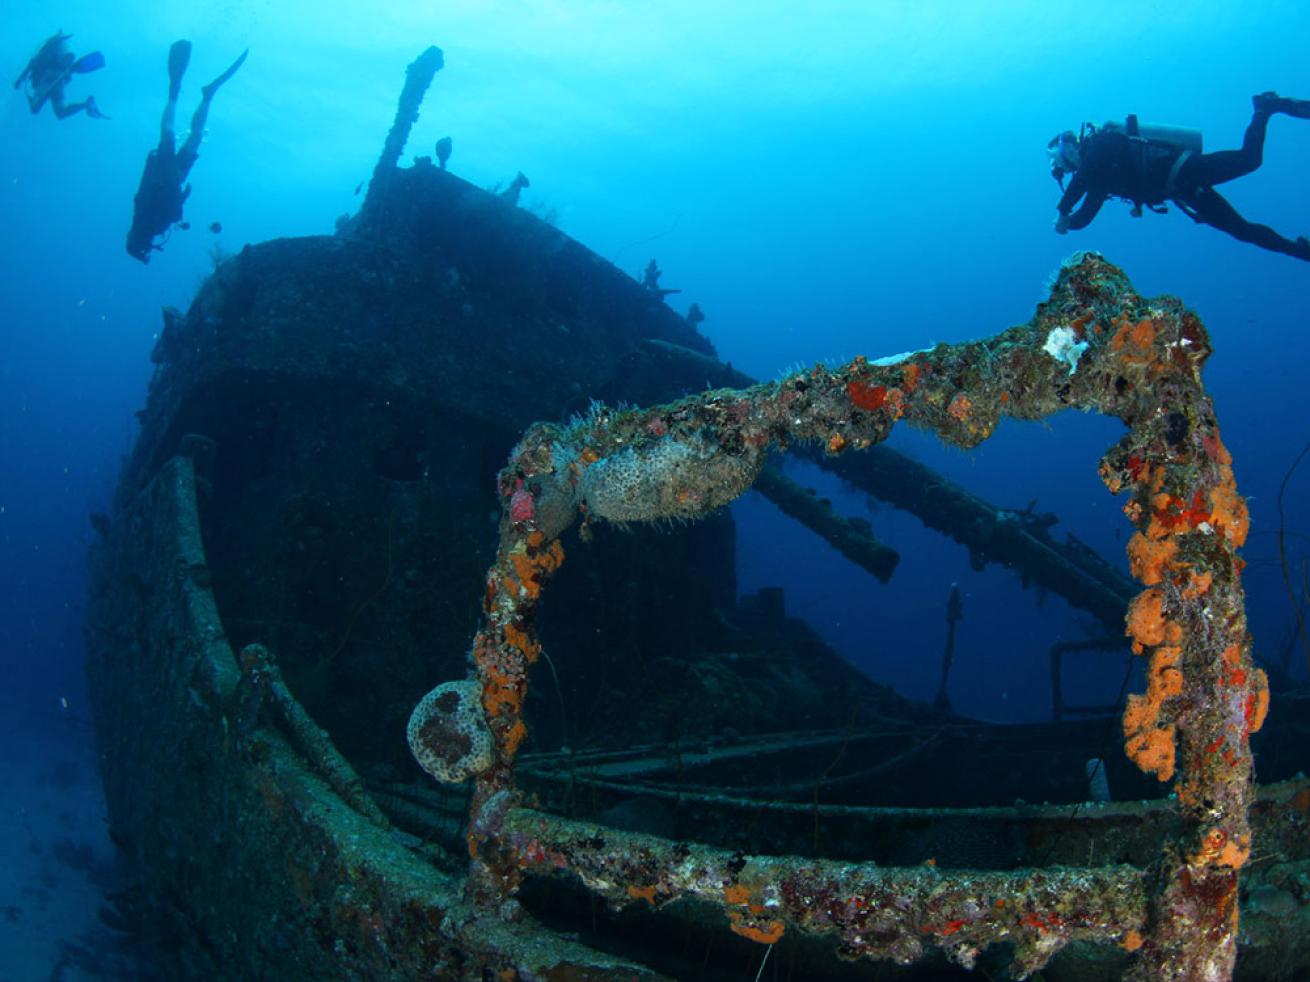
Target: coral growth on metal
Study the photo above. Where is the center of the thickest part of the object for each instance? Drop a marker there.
(1094, 345)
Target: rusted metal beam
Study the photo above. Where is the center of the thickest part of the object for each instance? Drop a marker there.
(992, 535)
(852, 537)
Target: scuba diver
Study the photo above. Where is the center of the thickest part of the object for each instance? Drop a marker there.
(49, 72)
(161, 194)
(1149, 165)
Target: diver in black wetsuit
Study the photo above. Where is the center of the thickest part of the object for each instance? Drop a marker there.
(49, 72)
(161, 194)
(1150, 165)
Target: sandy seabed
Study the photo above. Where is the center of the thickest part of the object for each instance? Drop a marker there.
(63, 914)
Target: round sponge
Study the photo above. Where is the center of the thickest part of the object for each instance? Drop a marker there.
(447, 733)
(669, 479)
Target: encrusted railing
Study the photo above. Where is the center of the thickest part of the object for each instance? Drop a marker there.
(1095, 344)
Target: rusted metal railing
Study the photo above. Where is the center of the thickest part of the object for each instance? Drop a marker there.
(1094, 345)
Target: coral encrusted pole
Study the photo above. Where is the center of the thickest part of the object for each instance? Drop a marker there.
(1094, 345)
(418, 76)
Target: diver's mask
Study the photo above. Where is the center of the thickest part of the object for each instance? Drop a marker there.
(1063, 153)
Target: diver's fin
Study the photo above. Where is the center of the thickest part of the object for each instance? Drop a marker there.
(179, 56)
(93, 108)
(212, 87)
(1272, 102)
(89, 63)
(1300, 108)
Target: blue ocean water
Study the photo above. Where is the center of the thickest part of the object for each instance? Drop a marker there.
(823, 180)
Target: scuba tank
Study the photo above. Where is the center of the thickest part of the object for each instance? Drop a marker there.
(1178, 137)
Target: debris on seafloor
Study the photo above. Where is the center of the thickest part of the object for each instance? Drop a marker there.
(516, 186)
(954, 614)
(650, 281)
(695, 316)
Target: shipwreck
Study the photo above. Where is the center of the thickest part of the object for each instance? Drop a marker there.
(343, 498)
